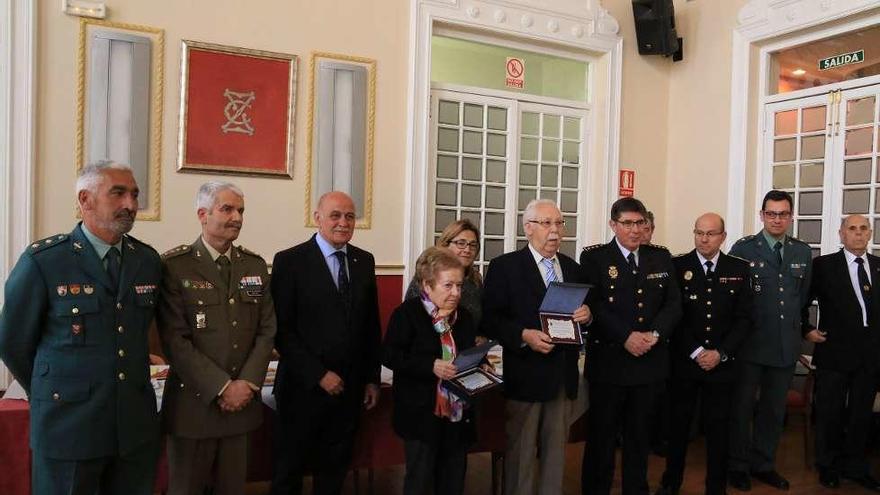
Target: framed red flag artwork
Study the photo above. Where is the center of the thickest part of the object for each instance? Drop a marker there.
(237, 109)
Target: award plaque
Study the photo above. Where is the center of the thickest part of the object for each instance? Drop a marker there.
(559, 304)
(471, 379)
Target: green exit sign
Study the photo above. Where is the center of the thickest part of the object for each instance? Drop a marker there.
(850, 58)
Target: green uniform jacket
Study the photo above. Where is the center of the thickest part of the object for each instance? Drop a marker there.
(213, 333)
(779, 293)
(80, 351)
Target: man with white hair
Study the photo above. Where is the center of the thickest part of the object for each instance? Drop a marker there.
(540, 378)
(217, 323)
(74, 333)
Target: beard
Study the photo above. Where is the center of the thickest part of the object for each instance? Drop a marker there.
(121, 223)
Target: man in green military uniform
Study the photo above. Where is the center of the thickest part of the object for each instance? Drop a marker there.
(74, 334)
(217, 324)
(780, 268)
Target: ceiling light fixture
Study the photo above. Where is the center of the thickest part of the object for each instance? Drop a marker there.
(799, 72)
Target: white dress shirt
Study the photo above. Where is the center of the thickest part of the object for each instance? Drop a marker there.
(853, 269)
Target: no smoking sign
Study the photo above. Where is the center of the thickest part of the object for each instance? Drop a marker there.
(516, 73)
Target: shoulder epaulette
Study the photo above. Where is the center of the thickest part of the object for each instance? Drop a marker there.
(739, 258)
(140, 243)
(658, 246)
(50, 241)
(594, 246)
(795, 239)
(177, 251)
(746, 238)
(679, 255)
(248, 251)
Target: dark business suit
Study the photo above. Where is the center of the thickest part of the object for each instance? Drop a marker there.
(436, 448)
(716, 316)
(512, 293)
(79, 348)
(318, 331)
(847, 364)
(623, 387)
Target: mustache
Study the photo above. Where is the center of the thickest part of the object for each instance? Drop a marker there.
(125, 214)
(235, 225)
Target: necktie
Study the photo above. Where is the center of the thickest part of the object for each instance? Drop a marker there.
(631, 259)
(113, 258)
(864, 285)
(709, 273)
(342, 281)
(551, 273)
(225, 268)
(778, 249)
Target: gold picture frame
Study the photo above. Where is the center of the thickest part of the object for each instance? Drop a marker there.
(312, 191)
(152, 188)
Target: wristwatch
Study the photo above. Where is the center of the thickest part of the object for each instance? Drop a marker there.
(655, 333)
(723, 356)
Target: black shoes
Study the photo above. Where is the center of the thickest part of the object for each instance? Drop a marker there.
(829, 478)
(739, 480)
(772, 478)
(866, 481)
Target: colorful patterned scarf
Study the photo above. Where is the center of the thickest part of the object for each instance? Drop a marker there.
(449, 405)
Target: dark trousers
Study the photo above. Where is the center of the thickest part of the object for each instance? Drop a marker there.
(756, 428)
(315, 434)
(715, 410)
(133, 473)
(197, 464)
(436, 467)
(844, 402)
(613, 406)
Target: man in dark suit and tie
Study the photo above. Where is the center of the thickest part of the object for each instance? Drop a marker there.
(540, 378)
(716, 302)
(637, 305)
(847, 354)
(327, 306)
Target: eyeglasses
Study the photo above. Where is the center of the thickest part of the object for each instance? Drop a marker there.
(630, 224)
(773, 215)
(463, 244)
(710, 234)
(547, 223)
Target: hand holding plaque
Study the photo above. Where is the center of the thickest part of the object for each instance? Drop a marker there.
(558, 309)
(472, 379)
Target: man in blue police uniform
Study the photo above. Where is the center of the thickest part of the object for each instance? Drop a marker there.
(74, 334)
(779, 269)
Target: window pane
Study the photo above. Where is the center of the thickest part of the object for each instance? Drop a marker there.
(856, 200)
(492, 248)
(471, 168)
(497, 118)
(521, 243)
(447, 167)
(783, 176)
(860, 111)
(550, 150)
(570, 177)
(877, 231)
(496, 144)
(525, 195)
(548, 175)
(810, 203)
(551, 125)
(786, 123)
(471, 195)
(571, 226)
(877, 203)
(473, 115)
(447, 139)
(528, 174)
(572, 128)
(448, 112)
(569, 202)
(495, 197)
(529, 123)
(570, 152)
(494, 224)
(442, 218)
(858, 141)
(472, 142)
(784, 150)
(519, 226)
(446, 193)
(812, 147)
(473, 216)
(810, 231)
(567, 248)
(812, 174)
(857, 171)
(528, 149)
(813, 119)
(495, 171)
(548, 194)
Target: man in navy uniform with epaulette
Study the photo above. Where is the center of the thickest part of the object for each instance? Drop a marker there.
(74, 333)
(780, 268)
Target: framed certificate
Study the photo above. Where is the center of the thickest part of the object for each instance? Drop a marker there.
(473, 380)
(561, 328)
(559, 304)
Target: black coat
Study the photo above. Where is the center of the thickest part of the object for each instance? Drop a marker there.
(411, 345)
(512, 293)
(622, 303)
(848, 345)
(716, 315)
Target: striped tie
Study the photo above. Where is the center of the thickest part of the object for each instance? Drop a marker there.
(551, 273)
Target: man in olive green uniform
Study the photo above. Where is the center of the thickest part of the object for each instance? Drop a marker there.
(217, 324)
(780, 269)
(74, 334)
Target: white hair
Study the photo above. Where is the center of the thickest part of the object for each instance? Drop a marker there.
(529, 213)
(92, 174)
(207, 194)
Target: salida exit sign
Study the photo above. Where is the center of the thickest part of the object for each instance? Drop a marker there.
(850, 58)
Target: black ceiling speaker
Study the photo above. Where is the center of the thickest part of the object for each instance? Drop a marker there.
(655, 28)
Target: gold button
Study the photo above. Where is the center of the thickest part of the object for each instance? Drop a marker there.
(234, 323)
(122, 376)
(235, 346)
(181, 385)
(780, 275)
(707, 341)
(234, 368)
(781, 289)
(231, 301)
(75, 311)
(120, 329)
(781, 317)
(56, 396)
(731, 291)
(641, 319)
(121, 353)
(709, 289)
(611, 287)
(708, 303)
(641, 305)
(709, 315)
(782, 303)
(201, 303)
(639, 291)
(119, 305)
(708, 328)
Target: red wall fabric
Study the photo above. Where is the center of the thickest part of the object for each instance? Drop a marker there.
(390, 296)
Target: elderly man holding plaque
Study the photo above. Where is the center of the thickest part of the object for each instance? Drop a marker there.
(637, 305)
(541, 378)
(425, 336)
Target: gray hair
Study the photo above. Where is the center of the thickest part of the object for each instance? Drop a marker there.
(92, 174)
(208, 191)
(529, 213)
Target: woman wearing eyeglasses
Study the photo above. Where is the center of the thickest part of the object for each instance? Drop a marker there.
(462, 238)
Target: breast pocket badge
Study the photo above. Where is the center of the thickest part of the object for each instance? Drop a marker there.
(201, 320)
